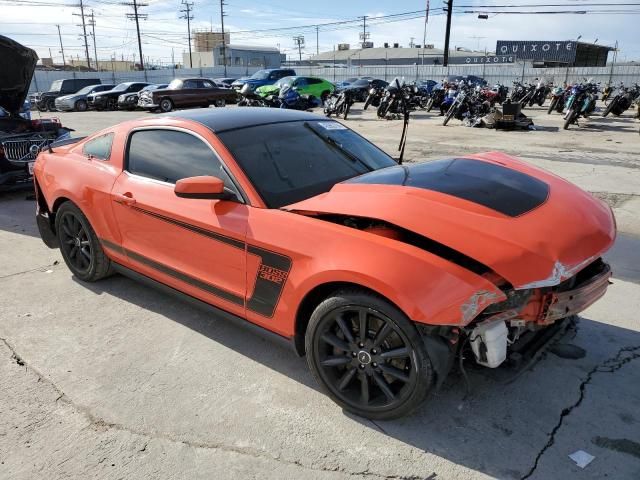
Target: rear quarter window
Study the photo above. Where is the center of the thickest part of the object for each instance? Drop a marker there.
(99, 147)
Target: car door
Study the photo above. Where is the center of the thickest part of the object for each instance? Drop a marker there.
(210, 92)
(194, 245)
(193, 93)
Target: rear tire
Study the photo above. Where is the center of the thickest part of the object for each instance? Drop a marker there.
(79, 245)
(368, 356)
(81, 106)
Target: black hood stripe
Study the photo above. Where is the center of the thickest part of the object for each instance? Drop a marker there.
(496, 187)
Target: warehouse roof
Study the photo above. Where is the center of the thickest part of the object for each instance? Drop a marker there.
(390, 53)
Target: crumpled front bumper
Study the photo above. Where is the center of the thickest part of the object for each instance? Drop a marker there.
(563, 304)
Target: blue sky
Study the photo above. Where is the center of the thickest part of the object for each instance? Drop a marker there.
(164, 31)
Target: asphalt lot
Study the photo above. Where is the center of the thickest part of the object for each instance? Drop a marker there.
(115, 380)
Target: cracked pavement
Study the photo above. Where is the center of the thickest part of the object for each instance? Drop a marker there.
(115, 380)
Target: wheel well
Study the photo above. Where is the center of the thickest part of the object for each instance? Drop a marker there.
(56, 205)
(313, 298)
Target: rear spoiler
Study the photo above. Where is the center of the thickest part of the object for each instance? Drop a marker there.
(66, 141)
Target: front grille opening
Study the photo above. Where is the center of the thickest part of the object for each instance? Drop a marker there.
(583, 276)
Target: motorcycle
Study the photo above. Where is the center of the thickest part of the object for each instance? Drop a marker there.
(248, 98)
(622, 100)
(391, 99)
(469, 104)
(290, 98)
(558, 98)
(374, 97)
(339, 104)
(540, 93)
(438, 94)
(581, 102)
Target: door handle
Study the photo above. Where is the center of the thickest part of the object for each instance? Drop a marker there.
(125, 198)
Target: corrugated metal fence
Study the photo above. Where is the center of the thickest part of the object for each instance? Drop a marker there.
(505, 74)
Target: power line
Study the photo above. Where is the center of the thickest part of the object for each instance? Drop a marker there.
(187, 15)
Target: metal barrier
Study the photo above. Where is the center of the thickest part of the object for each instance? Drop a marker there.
(504, 74)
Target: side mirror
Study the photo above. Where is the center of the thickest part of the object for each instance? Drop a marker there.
(204, 187)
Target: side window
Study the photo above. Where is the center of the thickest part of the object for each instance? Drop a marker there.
(169, 155)
(190, 84)
(99, 147)
(207, 84)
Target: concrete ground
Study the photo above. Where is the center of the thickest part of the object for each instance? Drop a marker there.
(114, 380)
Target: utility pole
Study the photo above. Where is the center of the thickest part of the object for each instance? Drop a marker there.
(447, 34)
(364, 36)
(84, 32)
(187, 15)
(424, 35)
(299, 41)
(92, 22)
(317, 40)
(224, 43)
(64, 63)
(137, 16)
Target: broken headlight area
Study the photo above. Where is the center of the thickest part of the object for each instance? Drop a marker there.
(525, 313)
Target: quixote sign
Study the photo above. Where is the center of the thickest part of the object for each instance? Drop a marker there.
(554, 51)
(478, 60)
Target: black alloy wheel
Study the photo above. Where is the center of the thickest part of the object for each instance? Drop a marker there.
(79, 245)
(112, 104)
(368, 356)
(51, 105)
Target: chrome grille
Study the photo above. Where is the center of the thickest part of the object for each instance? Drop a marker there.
(20, 150)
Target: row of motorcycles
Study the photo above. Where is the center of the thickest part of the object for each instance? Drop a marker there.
(464, 100)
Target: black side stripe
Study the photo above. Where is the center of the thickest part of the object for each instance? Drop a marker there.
(271, 276)
(207, 233)
(188, 279)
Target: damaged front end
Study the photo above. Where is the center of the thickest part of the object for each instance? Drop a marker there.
(505, 325)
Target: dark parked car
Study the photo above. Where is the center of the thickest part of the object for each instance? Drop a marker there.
(20, 137)
(47, 100)
(129, 101)
(264, 77)
(109, 100)
(78, 101)
(360, 88)
(185, 93)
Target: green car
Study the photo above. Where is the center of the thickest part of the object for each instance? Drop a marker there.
(318, 87)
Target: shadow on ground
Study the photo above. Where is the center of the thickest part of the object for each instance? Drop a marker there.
(448, 425)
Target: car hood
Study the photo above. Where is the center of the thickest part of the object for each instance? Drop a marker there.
(17, 64)
(531, 227)
(267, 89)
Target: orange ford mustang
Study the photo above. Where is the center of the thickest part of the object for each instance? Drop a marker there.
(381, 273)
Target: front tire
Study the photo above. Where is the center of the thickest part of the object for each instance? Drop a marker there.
(79, 245)
(570, 118)
(552, 105)
(368, 356)
(81, 106)
(166, 105)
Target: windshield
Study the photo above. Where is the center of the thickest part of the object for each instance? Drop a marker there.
(56, 86)
(360, 83)
(260, 75)
(284, 81)
(121, 87)
(85, 90)
(290, 162)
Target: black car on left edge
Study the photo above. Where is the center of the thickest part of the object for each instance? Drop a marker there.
(21, 138)
(109, 100)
